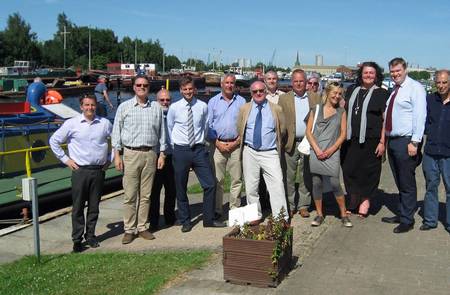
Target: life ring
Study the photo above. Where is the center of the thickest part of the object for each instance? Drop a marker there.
(53, 97)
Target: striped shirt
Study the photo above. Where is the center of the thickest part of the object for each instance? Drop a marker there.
(138, 126)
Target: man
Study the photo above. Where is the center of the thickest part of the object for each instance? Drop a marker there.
(271, 81)
(313, 83)
(138, 131)
(101, 94)
(261, 128)
(404, 126)
(436, 159)
(87, 137)
(296, 105)
(223, 110)
(163, 177)
(187, 122)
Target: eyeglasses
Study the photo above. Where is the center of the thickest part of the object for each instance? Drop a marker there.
(258, 91)
(313, 83)
(161, 99)
(141, 85)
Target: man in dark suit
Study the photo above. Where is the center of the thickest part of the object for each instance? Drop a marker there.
(296, 105)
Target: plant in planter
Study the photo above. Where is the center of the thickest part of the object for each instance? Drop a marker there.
(258, 255)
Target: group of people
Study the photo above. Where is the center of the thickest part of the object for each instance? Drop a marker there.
(157, 143)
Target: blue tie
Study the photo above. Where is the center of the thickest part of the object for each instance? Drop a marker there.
(257, 132)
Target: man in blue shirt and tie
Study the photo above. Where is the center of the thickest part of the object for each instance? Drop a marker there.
(405, 116)
(261, 129)
(87, 137)
(187, 122)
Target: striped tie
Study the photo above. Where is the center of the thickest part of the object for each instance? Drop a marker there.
(190, 122)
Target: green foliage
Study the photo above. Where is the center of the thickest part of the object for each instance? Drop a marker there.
(197, 188)
(172, 62)
(421, 75)
(97, 273)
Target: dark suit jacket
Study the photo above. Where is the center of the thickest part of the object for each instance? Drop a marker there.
(280, 127)
(287, 104)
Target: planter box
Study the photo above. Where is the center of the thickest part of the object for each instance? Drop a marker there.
(249, 262)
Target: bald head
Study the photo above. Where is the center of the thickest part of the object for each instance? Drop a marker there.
(258, 90)
(163, 98)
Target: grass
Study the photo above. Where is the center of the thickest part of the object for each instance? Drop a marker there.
(97, 273)
(196, 188)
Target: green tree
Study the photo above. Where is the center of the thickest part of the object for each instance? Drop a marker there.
(197, 63)
(172, 62)
(18, 42)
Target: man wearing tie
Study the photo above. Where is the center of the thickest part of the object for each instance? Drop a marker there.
(261, 128)
(404, 125)
(187, 122)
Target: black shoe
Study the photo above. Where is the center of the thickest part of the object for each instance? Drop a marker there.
(214, 223)
(403, 228)
(77, 247)
(186, 228)
(217, 216)
(426, 227)
(394, 219)
(92, 242)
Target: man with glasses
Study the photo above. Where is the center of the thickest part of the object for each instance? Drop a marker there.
(163, 177)
(271, 81)
(261, 129)
(296, 105)
(187, 122)
(138, 133)
(223, 110)
(436, 158)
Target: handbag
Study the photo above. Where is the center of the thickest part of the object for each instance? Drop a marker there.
(304, 147)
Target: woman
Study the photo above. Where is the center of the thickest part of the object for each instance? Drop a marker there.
(328, 135)
(365, 145)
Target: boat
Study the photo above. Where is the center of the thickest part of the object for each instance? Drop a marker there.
(25, 129)
(212, 78)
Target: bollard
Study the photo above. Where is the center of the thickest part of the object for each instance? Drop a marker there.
(29, 193)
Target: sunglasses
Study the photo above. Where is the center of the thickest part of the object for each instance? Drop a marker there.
(164, 99)
(258, 91)
(313, 83)
(141, 85)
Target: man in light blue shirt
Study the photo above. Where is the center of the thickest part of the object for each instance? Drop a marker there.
(405, 117)
(187, 122)
(87, 137)
(223, 110)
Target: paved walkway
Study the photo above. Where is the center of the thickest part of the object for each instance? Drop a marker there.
(367, 259)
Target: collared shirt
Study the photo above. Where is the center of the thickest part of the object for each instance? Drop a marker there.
(437, 127)
(177, 121)
(138, 125)
(301, 111)
(87, 141)
(222, 116)
(274, 97)
(409, 110)
(98, 91)
(268, 132)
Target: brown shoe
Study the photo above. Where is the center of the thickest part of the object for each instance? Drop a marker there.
(128, 238)
(303, 213)
(146, 235)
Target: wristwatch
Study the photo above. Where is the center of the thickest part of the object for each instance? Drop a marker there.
(415, 144)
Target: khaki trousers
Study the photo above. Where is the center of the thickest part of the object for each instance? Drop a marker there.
(139, 171)
(230, 162)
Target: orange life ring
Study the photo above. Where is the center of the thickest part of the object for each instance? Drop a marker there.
(53, 97)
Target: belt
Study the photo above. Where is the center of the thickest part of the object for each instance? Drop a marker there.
(398, 137)
(91, 167)
(140, 148)
(227, 140)
(260, 150)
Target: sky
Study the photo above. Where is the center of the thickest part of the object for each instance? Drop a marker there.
(342, 31)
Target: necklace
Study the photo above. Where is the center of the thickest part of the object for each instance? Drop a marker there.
(359, 101)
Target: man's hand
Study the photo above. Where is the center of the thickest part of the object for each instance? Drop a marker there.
(161, 161)
(222, 146)
(72, 165)
(118, 162)
(412, 150)
(379, 151)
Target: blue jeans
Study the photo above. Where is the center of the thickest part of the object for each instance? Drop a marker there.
(433, 167)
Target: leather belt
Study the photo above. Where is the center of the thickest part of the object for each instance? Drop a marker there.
(227, 140)
(140, 148)
(91, 167)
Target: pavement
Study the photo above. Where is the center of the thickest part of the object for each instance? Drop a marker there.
(330, 259)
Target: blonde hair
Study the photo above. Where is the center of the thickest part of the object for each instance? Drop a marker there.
(329, 88)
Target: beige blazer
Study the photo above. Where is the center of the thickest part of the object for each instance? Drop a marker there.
(287, 104)
(280, 127)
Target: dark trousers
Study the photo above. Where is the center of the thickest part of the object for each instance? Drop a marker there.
(404, 170)
(196, 157)
(163, 177)
(101, 109)
(87, 185)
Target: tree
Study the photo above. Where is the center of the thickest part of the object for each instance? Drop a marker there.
(18, 42)
(172, 62)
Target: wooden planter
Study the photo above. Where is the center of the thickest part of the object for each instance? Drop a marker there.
(249, 262)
